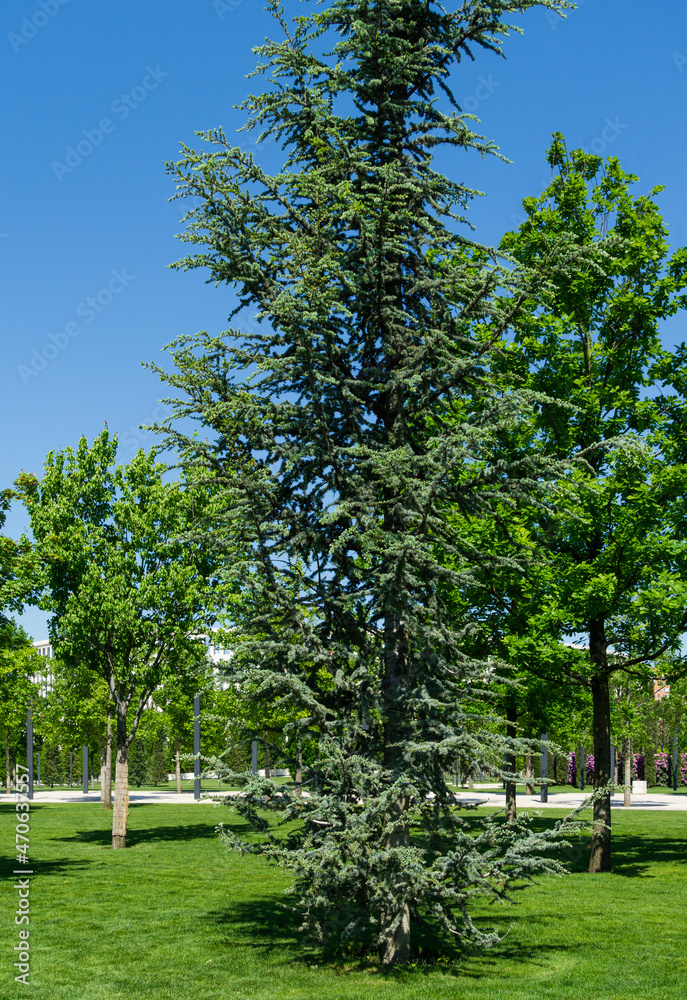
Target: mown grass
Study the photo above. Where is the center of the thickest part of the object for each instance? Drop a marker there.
(174, 915)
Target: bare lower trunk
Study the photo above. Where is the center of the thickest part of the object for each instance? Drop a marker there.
(394, 939)
(511, 788)
(8, 773)
(600, 858)
(627, 796)
(529, 775)
(299, 771)
(120, 813)
(178, 765)
(395, 936)
(267, 758)
(107, 787)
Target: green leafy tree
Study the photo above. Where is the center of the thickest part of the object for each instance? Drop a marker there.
(337, 467)
(19, 664)
(613, 395)
(125, 588)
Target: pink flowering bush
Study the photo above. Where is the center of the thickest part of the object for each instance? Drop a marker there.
(572, 768)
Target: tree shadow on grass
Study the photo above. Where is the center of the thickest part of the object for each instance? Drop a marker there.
(265, 926)
(145, 835)
(58, 866)
(633, 855)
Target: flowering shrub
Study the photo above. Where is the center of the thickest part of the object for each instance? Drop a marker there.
(638, 766)
(572, 768)
(662, 768)
(683, 768)
(589, 768)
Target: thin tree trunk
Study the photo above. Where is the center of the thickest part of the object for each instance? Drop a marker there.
(8, 773)
(511, 788)
(627, 796)
(103, 753)
(267, 756)
(299, 771)
(600, 858)
(107, 789)
(120, 813)
(178, 765)
(529, 775)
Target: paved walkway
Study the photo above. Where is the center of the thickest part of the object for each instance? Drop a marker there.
(490, 795)
(484, 795)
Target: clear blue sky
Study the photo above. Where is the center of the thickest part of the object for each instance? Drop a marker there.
(96, 223)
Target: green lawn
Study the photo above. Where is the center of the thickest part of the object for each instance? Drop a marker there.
(176, 916)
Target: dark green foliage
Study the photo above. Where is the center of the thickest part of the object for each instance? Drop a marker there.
(138, 763)
(52, 772)
(157, 763)
(341, 433)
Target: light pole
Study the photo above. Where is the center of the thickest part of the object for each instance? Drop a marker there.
(196, 747)
(544, 767)
(29, 749)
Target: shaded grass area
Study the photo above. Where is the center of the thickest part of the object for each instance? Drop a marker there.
(174, 914)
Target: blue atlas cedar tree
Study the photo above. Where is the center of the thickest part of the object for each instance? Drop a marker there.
(342, 430)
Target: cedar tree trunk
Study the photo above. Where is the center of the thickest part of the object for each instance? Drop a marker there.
(395, 935)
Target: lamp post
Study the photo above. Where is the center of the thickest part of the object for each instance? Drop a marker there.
(544, 767)
(255, 756)
(29, 749)
(196, 747)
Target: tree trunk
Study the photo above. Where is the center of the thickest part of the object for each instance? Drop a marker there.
(103, 767)
(511, 788)
(120, 813)
(395, 937)
(107, 788)
(600, 858)
(529, 775)
(267, 756)
(395, 933)
(627, 795)
(299, 771)
(178, 765)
